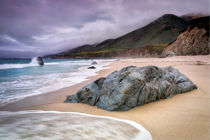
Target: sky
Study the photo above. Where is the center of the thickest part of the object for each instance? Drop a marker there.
(30, 28)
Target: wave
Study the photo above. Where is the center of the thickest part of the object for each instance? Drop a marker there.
(33, 63)
(30, 85)
(37, 124)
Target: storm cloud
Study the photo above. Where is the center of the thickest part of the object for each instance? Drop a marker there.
(39, 27)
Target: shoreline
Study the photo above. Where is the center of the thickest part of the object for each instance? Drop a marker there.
(53, 96)
(184, 116)
(134, 130)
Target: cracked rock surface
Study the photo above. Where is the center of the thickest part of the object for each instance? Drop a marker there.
(133, 86)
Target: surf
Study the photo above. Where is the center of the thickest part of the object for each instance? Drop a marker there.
(37, 124)
(32, 63)
(32, 79)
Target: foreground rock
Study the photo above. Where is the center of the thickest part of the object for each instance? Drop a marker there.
(133, 86)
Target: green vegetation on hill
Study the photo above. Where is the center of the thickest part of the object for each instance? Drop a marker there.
(157, 34)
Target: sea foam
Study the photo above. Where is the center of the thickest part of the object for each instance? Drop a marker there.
(67, 73)
(68, 125)
(33, 63)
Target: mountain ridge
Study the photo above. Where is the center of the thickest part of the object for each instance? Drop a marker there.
(153, 37)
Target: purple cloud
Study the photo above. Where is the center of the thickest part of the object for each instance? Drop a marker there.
(39, 27)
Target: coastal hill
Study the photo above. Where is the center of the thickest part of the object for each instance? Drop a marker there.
(193, 41)
(153, 37)
(149, 40)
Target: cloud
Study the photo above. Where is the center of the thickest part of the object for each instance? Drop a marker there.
(8, 38)
(41, 27)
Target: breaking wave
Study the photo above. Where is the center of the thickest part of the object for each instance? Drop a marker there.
(33, 63)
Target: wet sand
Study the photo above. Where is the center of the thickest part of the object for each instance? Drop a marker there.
(184, 116)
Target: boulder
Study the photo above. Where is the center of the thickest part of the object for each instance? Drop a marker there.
(133, 86)
(40, 60)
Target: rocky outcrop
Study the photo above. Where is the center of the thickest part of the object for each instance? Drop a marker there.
(194, 41)
(40, 60)
(133, 86)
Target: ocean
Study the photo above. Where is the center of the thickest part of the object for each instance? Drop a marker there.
(20, 78)
(23, 78)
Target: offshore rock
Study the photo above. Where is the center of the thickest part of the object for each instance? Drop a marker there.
(40, 60)
(92, 67)
(94, 63)
(133, 86)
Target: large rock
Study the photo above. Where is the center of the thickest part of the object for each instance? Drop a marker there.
(133, 86)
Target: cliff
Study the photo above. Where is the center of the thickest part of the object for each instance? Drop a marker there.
(193, 41)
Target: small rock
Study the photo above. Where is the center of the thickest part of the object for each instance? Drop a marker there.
(91, 67)
(171, 54)
(71, 99)
(94, 63)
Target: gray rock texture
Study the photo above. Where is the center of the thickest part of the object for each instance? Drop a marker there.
(133, 86)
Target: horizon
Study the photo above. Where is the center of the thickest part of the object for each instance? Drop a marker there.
(44, 27)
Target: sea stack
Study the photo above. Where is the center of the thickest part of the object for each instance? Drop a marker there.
(40, 61)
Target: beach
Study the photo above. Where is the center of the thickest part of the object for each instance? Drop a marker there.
(184, 116)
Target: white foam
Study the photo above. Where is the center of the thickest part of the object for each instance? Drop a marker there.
(33, 63)
(50, 82)
(143, 134)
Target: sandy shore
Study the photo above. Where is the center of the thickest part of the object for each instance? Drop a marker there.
(182, 117)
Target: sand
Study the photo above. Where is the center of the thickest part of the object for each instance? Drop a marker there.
(182, 117)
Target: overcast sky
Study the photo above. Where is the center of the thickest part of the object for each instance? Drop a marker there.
(38, 27)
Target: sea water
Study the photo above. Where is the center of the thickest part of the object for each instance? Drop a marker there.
(20, 78)
(53, 125)
(23, 78)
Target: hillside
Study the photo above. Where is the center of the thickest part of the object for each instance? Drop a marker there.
(194, 41)
(152, 38)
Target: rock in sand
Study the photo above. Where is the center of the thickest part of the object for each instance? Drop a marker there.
(133, 86)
